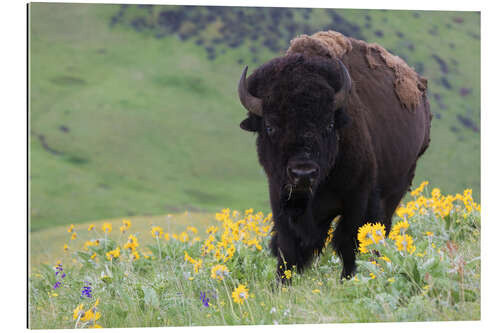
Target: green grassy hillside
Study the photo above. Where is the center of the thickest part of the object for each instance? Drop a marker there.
(134, 112)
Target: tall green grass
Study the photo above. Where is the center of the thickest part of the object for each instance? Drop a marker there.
(171, 283)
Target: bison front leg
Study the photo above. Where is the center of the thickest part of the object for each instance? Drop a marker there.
(345, 246)
(289, 253)
(344, 236)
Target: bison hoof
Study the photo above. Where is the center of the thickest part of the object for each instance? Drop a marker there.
(347, 274)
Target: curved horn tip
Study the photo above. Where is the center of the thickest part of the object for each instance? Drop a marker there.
(244, 75)
(251, 103)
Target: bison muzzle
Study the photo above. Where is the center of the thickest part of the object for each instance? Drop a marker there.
(340, 126)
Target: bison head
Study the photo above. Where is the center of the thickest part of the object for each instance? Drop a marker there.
(296, 104)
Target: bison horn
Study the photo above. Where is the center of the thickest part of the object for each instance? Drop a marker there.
(341, 95)
(251, 103)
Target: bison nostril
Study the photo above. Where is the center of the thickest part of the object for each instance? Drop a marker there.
(300, 173)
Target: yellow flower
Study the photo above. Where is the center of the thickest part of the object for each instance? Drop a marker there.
(95, 326)
(391, 279)
(384, 258)
(288, 274)
(219, 272)
(218, 255)
(187, 257)
(183, 237)
(93, 256)
(105, 278)
(436, 193)
(230, 253)
(370, 234)
(405, 243)
(157, 232)
(402, 211)
(132, 243)
(197, 265)
(419, 189)
(107, 227)
(66, 247)
(364, 233)
(399, 228)
(167, 236)
(256, 243)
(429, 233)
(378, 232)
(92, 314)
(78, 311)
(87, 315)
(373, 276)
(126, 224)
(71, 228)
(316, 291)
(91, 227)
(192, 229)
(90, 243)
(113, 254)
(135, 255)
(73, 236)
(240, 294)
(211, 230)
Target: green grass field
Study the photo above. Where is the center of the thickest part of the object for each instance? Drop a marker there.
(220, 272)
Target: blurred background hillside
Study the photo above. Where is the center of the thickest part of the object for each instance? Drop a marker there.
(134, 110)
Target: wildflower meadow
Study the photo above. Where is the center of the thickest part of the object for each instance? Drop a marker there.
(427, 268)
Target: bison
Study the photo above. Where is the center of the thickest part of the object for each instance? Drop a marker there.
(340, 126)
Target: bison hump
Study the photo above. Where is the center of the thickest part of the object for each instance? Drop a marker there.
(408, 85)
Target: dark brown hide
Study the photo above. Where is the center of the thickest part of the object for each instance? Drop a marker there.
(359, 159)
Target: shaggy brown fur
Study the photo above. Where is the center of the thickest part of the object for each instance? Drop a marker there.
(408, 85)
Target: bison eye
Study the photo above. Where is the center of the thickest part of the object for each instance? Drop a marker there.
(330, 126)
(270, 130)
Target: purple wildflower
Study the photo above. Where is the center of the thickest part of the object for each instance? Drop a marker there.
(87, 290)
(59, 269)
(204, 299)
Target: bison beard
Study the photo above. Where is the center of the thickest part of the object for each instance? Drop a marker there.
(335, 139)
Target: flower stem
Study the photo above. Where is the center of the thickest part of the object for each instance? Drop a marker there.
(159, 250)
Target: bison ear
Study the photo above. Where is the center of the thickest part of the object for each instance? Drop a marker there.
(251, 124)
(342, 119)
